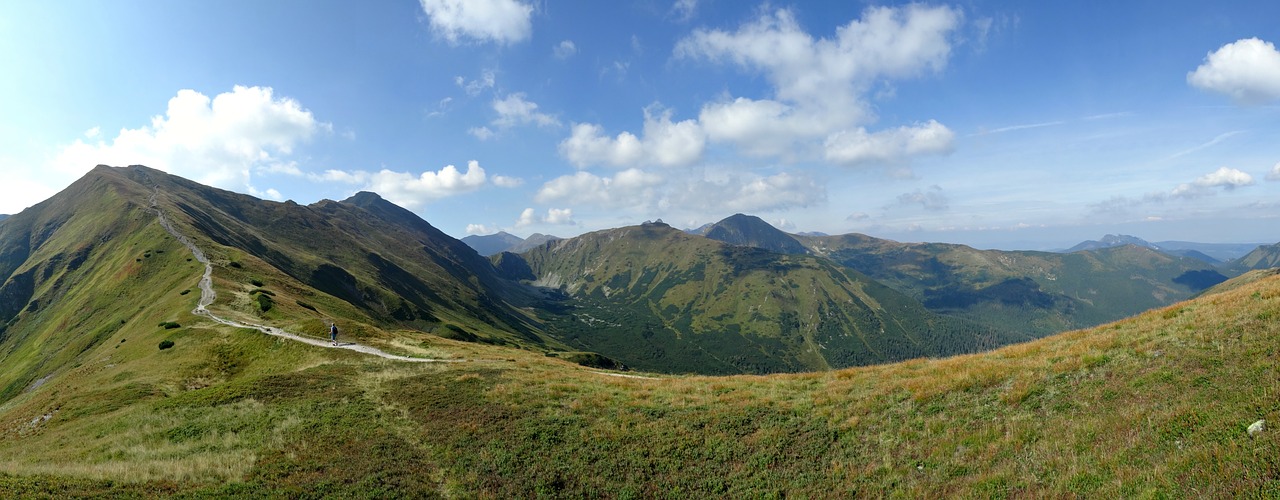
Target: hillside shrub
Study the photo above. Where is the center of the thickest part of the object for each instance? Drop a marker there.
(265, 302)
(305, 305)
(255, 282)
(165, 344)
(169, 325)
(235, 264)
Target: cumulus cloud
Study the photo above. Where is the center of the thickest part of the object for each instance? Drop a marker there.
(507, 182)
(932, 199)
(499, 21)
(558, 216)
(629, 188)
(480, 229)
(888, 146)
(565, 49)
(1225, 178)
(515, 110)
(716, 191)
(219, 141)
(1274, 175)
(886, 42)
(748, 192)
(1246, 70)
(818, 93)
(415, 190)
(664, 143)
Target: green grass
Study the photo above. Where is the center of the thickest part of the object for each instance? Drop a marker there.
(1154, 406)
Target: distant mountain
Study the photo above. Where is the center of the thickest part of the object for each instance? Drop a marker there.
(752, 231)
(657, 298)
(534, 240)
(3, 216)
(1036, 292)
(1112, 240)
(701, 230)
(1221, 252)
(1262, 257)
(491, 244)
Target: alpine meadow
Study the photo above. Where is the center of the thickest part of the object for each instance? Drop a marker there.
(645, 249)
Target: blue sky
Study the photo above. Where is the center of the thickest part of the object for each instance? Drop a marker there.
(997, 124)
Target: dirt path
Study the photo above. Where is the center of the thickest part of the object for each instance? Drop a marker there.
(207, 296)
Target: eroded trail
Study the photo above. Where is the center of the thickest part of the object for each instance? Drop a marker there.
(207, 296)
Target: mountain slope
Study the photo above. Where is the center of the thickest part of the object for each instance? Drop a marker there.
(657, 298)
(1035, 292)
(1158, 405)
(1263, 257)
(375, 256)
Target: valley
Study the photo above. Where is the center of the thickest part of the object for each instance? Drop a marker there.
(462, 376)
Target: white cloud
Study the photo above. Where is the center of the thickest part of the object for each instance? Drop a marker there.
(218, 141)
(631, 188)
(480, 229)
(1247, 70)
(413, 190)
(762, 127)
(730, 190)
(885, 43)
(559, 216)
(515, 110)
(858, 147)
(664, 143)
(1225, 178)
(932, 200)
(565, 49)
(507, 182)
(819, 88)
(1274, 175)
(498, 21)
(482, 133)
(474, 87)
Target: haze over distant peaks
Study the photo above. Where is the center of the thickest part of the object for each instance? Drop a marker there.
(502, 241)
(1212, 253)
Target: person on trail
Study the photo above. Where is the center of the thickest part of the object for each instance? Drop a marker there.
(333, 333)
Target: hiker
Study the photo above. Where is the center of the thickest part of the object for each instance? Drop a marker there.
(333, 333)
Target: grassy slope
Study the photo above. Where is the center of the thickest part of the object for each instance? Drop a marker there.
(1155, 405)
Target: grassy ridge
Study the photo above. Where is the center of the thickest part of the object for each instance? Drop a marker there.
(1156, 405)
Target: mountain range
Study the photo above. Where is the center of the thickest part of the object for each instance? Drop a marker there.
(493, 244)
(500, 376)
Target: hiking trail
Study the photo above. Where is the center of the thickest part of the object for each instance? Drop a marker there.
(207, 296)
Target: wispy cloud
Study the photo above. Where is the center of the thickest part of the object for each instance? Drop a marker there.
(1012, 128)
(1211, 143)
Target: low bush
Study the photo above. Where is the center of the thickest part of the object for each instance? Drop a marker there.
(169, 325)
(165, 344)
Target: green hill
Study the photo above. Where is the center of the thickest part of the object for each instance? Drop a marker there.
(1034, 292)
(659, 299)
(1153, 406)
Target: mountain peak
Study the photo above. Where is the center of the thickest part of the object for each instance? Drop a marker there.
(752, 231)
(1113, 240)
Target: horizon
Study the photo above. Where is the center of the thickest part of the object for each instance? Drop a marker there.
(994, 125)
